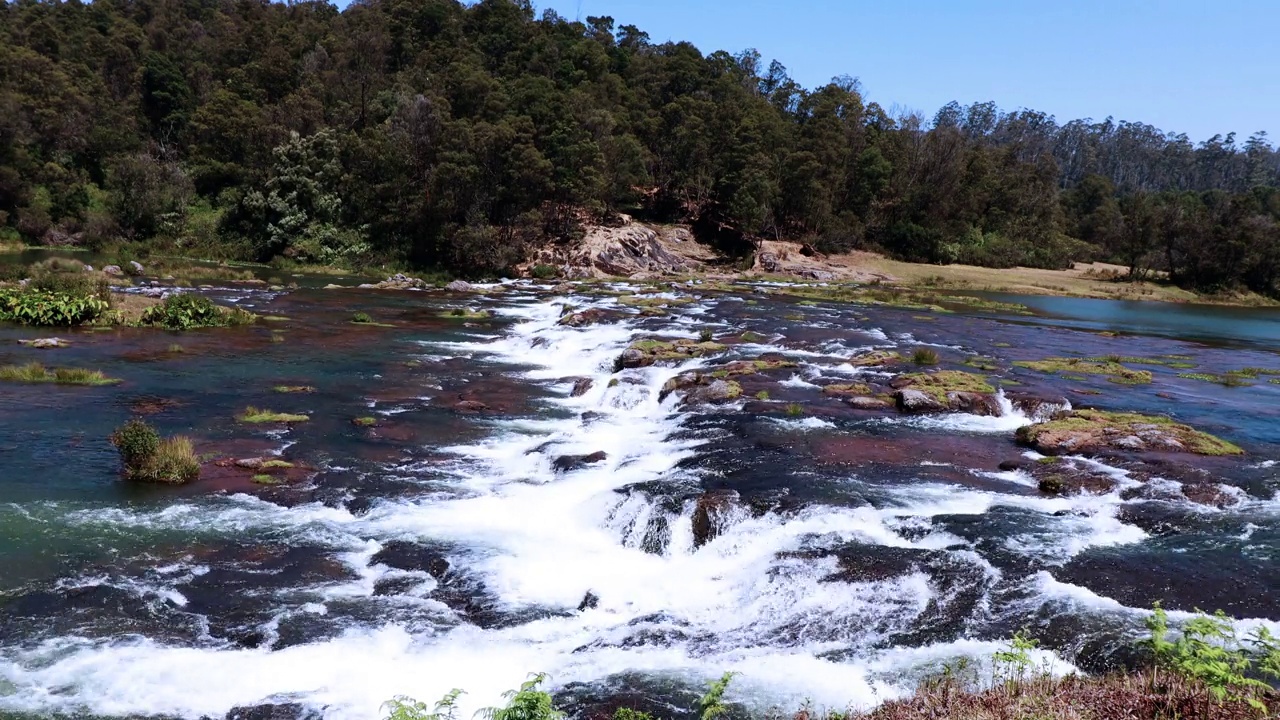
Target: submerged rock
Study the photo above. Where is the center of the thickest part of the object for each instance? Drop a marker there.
(711, 514)
(45, 343)
(566, 463)
(1098, 431)
(470, 407)
(590, 316)
(590, 601)
(582, 387)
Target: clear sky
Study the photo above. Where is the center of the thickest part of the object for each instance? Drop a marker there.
(1202, 67)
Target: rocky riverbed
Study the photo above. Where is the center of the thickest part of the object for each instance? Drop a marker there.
(631, 486)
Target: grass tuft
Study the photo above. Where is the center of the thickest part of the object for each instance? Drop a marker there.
(37, 373)
(925, 356)
(257, 416)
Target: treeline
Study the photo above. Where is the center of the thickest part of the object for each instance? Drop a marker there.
(433, 133)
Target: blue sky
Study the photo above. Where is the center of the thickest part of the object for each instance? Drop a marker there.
(1202, 68)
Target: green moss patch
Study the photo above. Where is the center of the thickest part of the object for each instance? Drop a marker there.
(258, 416)
(294, 389)
(1098, 430)
(37, 373)
(364, 421)
(875, 358)
(847, 389)
(1077, 367)
(938, 384)
(466, 314)
(642, 353)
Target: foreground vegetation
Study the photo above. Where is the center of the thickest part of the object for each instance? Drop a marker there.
(1204, 670)
(37, 373)
(146, 457)
(456, 136)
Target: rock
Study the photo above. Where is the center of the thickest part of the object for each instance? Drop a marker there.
(633, 358)
(581, 387)
(113, 270)
(470, 406)
(566, 463)
(910, 400)
(89, 268)
(1021, 463)
(271, 711)
(974, 403)
(717, 391)
(769, 262)
(332, 286)
(863, 402)
(249, 463)
(458, 286)
(583, 318)
(589, 601)
(45, 343)
(1096, 431)
(820, 275)
(643, 353)
(1035, 407)
(136, 267)
(562, 288)
(403, 555)
(875, 358)
(711, 515)
(539, 342)
(1211, 494)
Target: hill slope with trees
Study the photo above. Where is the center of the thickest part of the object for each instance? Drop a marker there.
(430, 133)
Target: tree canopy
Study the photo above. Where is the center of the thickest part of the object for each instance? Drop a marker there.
(453, 135)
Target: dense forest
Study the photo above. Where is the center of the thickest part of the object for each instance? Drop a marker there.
(433, 133)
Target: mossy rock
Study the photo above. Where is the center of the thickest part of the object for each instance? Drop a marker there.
(258, 416)
(1076, 367)
(875, 358)
(940, 384)
(466, 314)
(1094, 431)
(364, 422)
(643, 353)
(847, 389)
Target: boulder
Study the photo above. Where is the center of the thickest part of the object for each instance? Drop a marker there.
(875, 358)
(458, 286)
(113, 270)
(581, 387)
(45, 343)
(913, 401)
(403, 555)
(590, 316)
(974, 403)
(717, 391)
(864, 402)
(1097, 431)
(136, 267)
(589, 601)
(711, 515)
(769, 262)
(566, 463)
(634, 358)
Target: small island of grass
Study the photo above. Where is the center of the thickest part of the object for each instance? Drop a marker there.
(257, 416)
(37, 373)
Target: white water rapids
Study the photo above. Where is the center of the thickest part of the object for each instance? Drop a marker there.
(539, 539)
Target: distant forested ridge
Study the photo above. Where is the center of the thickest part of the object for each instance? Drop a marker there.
(438, 134)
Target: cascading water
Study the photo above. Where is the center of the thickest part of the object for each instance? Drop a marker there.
(594, 569)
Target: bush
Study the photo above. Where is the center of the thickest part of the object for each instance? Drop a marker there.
(186, 311)
(148, 458)
(29, 306)
(361, 317)
(544, 272)
(924, 356)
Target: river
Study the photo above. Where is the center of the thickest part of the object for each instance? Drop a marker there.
(443, 548)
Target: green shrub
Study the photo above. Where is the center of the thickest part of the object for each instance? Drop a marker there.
(925, 356)
(795, 409)
(148, 458)
(762, 395)
(527, 703)
(186, 311)
(544, 272)
(405, 708)
(706, 334)
(711, 705)
(361, 317)
(33, 305)
(1210, 651)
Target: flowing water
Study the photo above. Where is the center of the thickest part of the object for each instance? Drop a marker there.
(850, 554)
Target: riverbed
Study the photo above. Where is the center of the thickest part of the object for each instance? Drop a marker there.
(466, 539)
